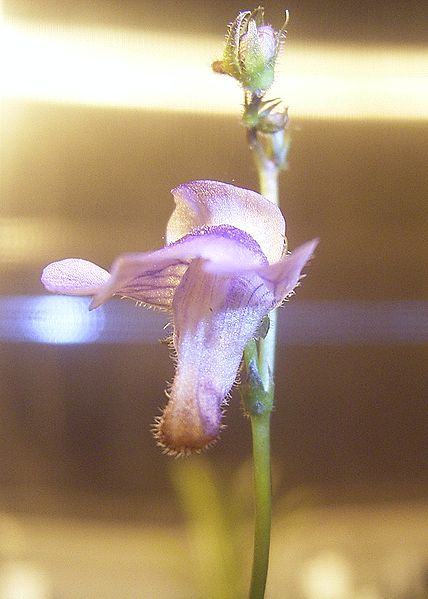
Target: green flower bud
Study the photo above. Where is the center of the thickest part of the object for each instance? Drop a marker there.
(258, 49)
(250, 52)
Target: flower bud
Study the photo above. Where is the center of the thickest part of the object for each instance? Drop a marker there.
(257, 53)
(251, 51)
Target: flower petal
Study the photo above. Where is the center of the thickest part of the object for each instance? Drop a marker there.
(283, 276)
(74, 276)
(214, 203)
(214, 318)
(152, 277)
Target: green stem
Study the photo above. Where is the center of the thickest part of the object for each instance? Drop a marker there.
(260, 427)
(260, 362)
(268, 180)
(268, 173)
(259, 403)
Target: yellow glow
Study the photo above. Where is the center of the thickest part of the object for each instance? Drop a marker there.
(327, 576)
(160, 71)
(33, 239)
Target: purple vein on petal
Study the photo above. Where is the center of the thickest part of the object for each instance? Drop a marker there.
(224, 246)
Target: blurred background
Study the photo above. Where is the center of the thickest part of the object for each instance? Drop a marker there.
(106, 106)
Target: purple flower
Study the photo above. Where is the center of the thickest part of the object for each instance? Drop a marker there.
(223, 269)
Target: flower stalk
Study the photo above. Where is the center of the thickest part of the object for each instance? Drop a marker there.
(260, 428)
(250, 54)
(258, 398)
(258, 404)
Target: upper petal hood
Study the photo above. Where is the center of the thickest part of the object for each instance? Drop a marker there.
(214, 203)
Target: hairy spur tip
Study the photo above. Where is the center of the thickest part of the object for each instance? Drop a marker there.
(178, 438)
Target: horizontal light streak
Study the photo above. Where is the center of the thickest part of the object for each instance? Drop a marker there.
(169, 72)
(34, 240)
(60, 320)
(66, 320)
